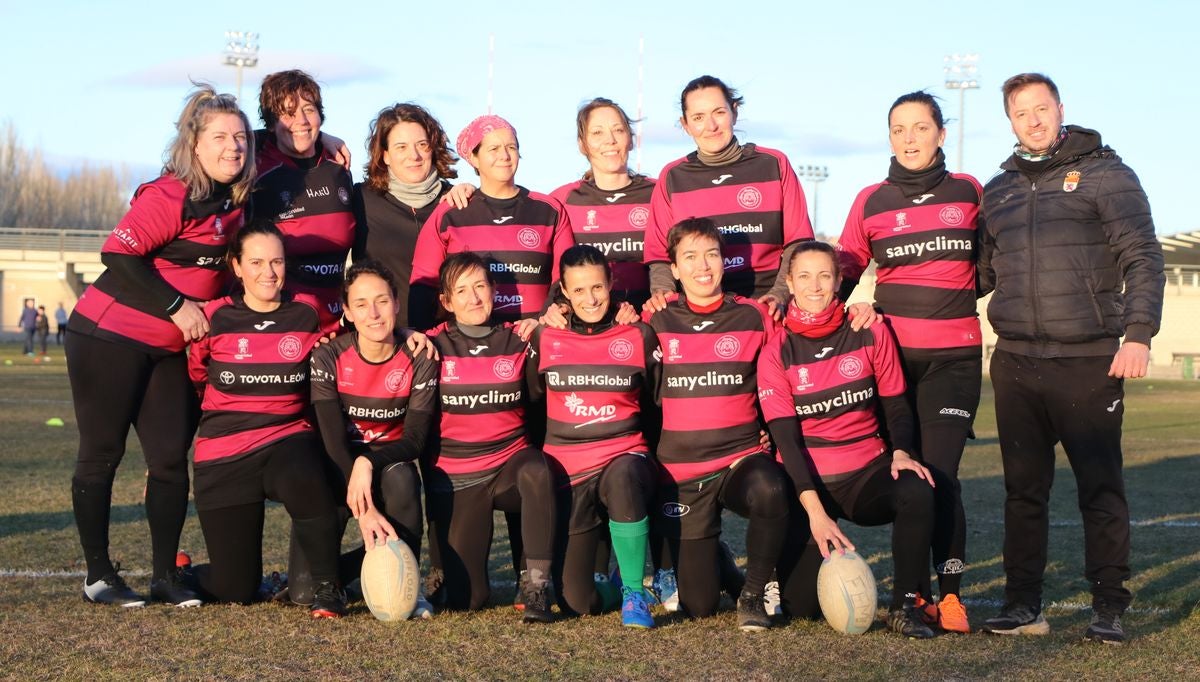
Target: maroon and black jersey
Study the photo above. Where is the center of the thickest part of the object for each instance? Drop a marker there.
(833, 385)
(375, 397)
(309, 201)
(593, 384)
(708, 385)
(520, 238)
(183, 242)
(481, 392)
(756, 202)
(614, 222)
(253, 371)
(925, 248)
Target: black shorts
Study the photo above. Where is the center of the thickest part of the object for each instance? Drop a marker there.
(241, 481)
(691, 510)
(588, 510)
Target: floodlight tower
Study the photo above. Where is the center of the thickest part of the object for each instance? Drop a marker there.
(961, 72)
(241, 52)
(816, 175)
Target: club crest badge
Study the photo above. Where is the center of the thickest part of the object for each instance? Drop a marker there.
(1071, 182)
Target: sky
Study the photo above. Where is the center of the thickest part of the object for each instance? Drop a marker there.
(103, 81)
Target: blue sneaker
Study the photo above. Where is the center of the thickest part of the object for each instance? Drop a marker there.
(635, 612)
(665, 589)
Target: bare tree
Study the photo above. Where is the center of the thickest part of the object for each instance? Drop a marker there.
(33, 194)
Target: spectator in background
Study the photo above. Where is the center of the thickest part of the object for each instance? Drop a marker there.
(28, 324)
(42, 327)
(60, 324)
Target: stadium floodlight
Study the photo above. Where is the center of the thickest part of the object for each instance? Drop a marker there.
(961, 74)
(241, 52)
(816, 175)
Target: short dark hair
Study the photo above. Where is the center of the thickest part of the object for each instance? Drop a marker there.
(813, 246)
(693, 227)
(920, 97)
(731, 96)
(581, 255)
(1023, 80)
(458, 264)
(368, 266)
(281, 86)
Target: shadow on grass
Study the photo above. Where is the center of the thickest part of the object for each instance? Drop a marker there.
(34, 522)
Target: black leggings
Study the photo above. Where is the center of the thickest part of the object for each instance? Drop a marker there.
(944, 396)
(396, 492)
(871, 498)
(757, 490)
(622, 493)
(292, 472)
(463, 521)
(113, 387)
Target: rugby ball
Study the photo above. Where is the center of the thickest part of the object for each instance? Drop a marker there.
(846, 593)
(390, 579)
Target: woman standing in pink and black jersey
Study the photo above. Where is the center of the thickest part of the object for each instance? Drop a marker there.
(595, 375)
(821, 385)
(750, 192)
(484, 460)
(521, 234)
(919, 227)
(127, 335)
(255, 441)
(609, 207)
(375, 402)
(304, 190)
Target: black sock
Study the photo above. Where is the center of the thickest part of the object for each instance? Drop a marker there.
(92, 504)
(166, 510)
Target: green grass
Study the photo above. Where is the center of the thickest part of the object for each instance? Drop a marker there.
(48, 632)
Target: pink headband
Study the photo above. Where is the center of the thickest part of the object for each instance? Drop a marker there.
(473, 134)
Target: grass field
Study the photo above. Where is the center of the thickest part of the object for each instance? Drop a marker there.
(46, 631)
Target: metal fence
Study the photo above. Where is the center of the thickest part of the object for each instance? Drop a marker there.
(34, 239)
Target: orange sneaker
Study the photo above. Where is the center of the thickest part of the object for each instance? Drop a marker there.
(927, 610)
(952, 615)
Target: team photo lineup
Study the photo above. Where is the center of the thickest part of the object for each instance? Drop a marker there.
(612, 364)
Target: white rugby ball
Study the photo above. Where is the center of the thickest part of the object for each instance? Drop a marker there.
(846, 593)
(390, 578)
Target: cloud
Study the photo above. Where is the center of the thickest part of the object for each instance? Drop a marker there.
(328, 69)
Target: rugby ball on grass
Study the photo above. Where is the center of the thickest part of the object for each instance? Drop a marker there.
(846, 593)
(390, 578)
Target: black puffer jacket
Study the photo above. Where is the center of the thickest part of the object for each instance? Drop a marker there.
(1070, 254)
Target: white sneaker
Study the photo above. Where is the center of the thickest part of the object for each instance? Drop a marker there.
(111, 589)
(771, 599)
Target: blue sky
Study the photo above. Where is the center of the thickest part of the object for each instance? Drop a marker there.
(103, 81)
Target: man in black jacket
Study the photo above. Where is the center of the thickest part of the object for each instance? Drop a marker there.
(1067, 245)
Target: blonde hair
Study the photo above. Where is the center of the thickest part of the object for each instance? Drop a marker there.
(180, 157)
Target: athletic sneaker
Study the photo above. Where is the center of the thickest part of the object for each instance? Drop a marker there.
(183, 560)
(1106, 625)
(274, 587)
(907, 621)
(635, 612)
(175, 588)
(952, 615)
(1017, 619)
(519, 597)
(536, 600)
(329, 601)
(423, 609)
(111, 589)
(731, 577)
(927, 610)
(771, 601)
(665, 589)
(751, 614)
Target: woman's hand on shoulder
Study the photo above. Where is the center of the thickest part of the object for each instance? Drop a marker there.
(336, 147)
(626, 314)
(774, 306)
(524, 329)
(418, 343)
(862, 315)
(459, 195)
(555, 316)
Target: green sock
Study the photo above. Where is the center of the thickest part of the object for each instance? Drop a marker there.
(629, 544)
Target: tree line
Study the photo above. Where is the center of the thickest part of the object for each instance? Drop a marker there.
(34, 194)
